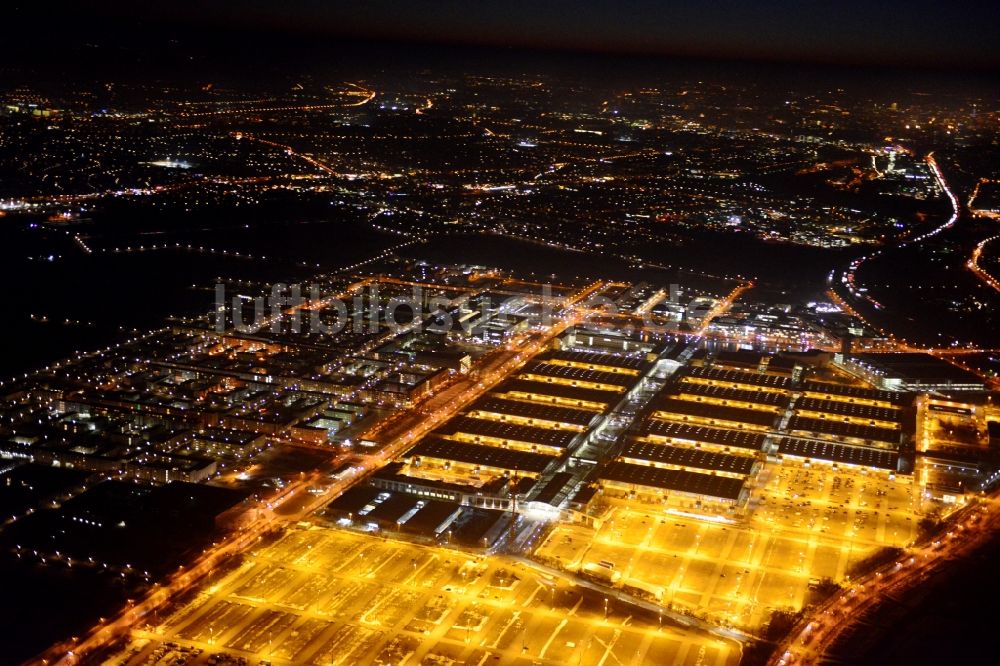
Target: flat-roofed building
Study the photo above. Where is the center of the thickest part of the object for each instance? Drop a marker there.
(392, 512)
(722, 439)
(738, 379)
(855, 394)
(223, 443)
(714, 415)
(684, 457)
(915, 371)
(691, 488)
(591, 360)
(860, 413)
(431, 518)
(532, 413)
(559, 394)
(846, 431)
(577, 376)
(476, 457)
(399, 477)
(751, 399)
(812, 450)
(354, 502)
(508, 435)
(741, 360)
(610, 341)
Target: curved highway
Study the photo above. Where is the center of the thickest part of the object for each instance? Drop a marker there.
(848, 277)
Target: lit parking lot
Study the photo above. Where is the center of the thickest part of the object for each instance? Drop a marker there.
(805, 524)
(324, 596)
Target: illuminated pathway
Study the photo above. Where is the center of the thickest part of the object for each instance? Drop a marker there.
(291, 152)
(367, 96)
(723, 306)
(971, 205)
(973, 265)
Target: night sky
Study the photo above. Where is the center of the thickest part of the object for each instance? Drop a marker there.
(883, 32)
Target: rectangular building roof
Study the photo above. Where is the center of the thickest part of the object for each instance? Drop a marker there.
(844, 391)
(694, 483)
(508, 431)
(533, 410)
(478, 454)
(431, 516)
(353, 499)
(553, 487)
(683, 456)
(842, 429)
(854, 409)
(841, 453)
(735, 376)
(768, 398)
(392, 509)
(572, 373)
(739, 359)
(560, 391)
(594, 358)
(391, 476)
(741, 439)
(718, 412)
(917, 368)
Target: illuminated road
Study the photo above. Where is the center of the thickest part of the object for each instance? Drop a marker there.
(154, 190)
(364, 93)
(973, 265)
(291, 152)
(723, 306)
(810, 642)
(971, 205)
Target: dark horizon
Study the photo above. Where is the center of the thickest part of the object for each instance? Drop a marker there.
(894, 35)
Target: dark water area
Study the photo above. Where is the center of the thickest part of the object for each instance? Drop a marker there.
(798, 268)
(286, 230)
(523, 257)
(929, 296)
(59, 299)
(46, 604)
(718, 258)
